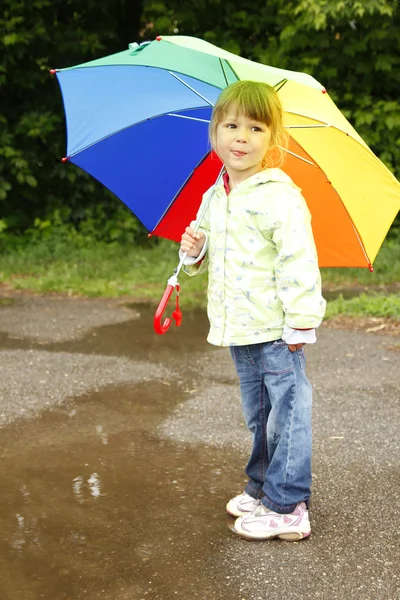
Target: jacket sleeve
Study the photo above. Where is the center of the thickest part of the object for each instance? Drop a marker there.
(298, 278)
(201, 266)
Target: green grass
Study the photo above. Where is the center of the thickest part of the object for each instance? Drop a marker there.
(114, 270)
(108, 270)
(371, 305)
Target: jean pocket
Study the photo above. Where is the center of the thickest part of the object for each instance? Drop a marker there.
(277, 358)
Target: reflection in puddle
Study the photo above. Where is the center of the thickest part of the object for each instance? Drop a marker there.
(107, 526)
(27, 534)
(103, 436)
(27, 529)
(18, 539)
(77, 538)
(77, 485)
(93, 484)
(25, 494)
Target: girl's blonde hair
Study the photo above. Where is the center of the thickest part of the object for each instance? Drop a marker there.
(258, 101)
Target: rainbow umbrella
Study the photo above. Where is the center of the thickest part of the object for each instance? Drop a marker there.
(138, 122)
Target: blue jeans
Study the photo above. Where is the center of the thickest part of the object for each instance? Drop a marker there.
(276, 401)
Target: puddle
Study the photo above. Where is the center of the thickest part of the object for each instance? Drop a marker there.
(133, 338)
(86, 501)
(94, 502)
(120, 493)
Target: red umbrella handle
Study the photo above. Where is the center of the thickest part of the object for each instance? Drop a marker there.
(159, 327)
(173, 281)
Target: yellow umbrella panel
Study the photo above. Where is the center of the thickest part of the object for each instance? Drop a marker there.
(352, 196)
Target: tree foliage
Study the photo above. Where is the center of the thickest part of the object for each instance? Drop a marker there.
(351, 46)
(36, 189)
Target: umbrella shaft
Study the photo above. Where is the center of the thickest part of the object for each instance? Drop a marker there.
(199, 219)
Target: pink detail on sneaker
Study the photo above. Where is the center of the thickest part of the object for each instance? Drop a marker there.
(273, 523)
(287, 519)
(299, 512)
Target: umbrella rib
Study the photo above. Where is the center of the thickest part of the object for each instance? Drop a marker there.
(334, 127)
(307, 126)
(324, 124)
(180, 189)
(360, 241)
(190, 88)
(299, 114)
(134, 125)
(232, 69)
(200, 216)
(186, 117)
(278, 86)
(296, 155)
(223, 70)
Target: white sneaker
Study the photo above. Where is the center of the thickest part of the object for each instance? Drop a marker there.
(264, 524)
(242, 505)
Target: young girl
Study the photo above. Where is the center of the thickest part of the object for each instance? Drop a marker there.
(264, 301)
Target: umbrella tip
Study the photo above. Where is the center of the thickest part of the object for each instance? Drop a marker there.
(371, 268)
(53, 71)
(150, 235)
(65, 159)
(159, 38)
(324, 91)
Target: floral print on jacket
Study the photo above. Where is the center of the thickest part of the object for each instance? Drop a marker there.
(262, 261)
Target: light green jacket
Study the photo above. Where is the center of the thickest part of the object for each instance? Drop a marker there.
(261, 260)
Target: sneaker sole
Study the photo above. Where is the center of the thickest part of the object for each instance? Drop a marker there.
(294, 537)
(287, 537)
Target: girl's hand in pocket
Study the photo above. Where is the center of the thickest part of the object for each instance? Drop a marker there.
(294, 347)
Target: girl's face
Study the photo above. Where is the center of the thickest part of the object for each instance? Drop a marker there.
(241, 143)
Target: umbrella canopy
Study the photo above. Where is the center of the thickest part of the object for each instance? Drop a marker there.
(138, 122)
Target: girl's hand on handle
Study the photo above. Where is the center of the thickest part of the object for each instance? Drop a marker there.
(192, 242)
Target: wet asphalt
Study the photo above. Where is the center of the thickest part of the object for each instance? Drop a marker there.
(120, 448)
